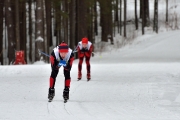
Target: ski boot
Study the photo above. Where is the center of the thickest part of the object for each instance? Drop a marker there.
(88, 76)
(79, 75)
(66, 94)
(51, 94)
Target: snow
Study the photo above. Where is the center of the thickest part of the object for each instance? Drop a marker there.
(39, 37)
(140, 81)
(9, 8)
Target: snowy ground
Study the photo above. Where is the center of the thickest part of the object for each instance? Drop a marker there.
(137, 82)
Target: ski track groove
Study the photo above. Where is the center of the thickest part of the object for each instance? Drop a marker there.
(66, 109)
(48, 107)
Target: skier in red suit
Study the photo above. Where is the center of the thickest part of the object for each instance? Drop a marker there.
(59, 54)
(84, 51)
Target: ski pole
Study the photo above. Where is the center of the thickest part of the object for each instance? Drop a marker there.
(44, 53)
(75, 50)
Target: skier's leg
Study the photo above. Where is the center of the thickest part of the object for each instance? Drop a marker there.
(52, 81)
(66, 84)
(53, 78)
(80, 67)
(88, 67)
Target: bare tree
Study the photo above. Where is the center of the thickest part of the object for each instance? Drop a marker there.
(143, 16)
(95, 18)
(156, 16)
(39, 43)
(166, 10)
(116, 15)
(82, 26)
(146, 15)
(106, 20)
(125, 9)
(57, 23)
(65, 20)
(48, 5)
(1, 30)
(30, 29)
(72, 20)
(10, 29)
(141, 9)
(90, 13)
(136, 18)
(120, 17)
(17, 25)
(144, 9)
(22, 24)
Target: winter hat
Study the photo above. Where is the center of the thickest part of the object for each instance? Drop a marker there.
(84, 40)
(63, 47)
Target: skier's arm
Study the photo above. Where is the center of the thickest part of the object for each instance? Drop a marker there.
(89, 52)
(79, 51)
(54, 62)
(91, 49)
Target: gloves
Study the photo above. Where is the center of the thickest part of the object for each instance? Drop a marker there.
(62, 63)
(84, 50)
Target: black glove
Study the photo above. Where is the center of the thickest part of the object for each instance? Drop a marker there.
(84, 50)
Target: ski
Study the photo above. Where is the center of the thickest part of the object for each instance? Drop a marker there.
(65, 101)
(87, 79)
(78, 79)
(50, 100)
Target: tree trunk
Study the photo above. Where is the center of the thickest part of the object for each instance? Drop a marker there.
(82, 19)
(1, 31)
(166, 10)
(72, 24)
(48, 4)
(10, 30)
(22, 23)
(48, 8)
(39, 43)
(65, 18)
(57, 28)
(120, 17)
(90, 20)
(156, 16)
(125, 9)
(30, 30)
(117, 15)
(144, 9)
(24, 29)
(143, 16)
(17, 25)
(136, 18)
(141, 9)
(106, 20)
(95, 18)
(146, 14)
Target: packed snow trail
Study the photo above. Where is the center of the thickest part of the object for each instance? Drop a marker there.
(137, 82)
